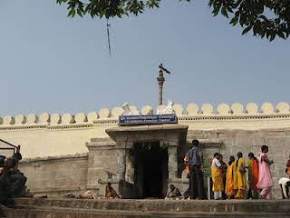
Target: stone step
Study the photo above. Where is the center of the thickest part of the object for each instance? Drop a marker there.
(56, 212)
(208, 206)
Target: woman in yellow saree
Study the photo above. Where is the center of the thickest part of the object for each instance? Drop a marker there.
(230, 191)
(240, 184)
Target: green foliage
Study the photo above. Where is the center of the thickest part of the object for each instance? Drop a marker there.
(265, 18)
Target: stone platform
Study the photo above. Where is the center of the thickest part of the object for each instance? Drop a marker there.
(73, 208)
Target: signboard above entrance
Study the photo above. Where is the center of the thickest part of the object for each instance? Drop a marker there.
(130, 120)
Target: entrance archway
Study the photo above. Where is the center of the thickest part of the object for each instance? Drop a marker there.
(151, 169)
(138, 176)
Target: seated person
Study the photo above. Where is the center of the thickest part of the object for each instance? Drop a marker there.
(17, 180)
(173, 192)
(87, 195)
(288, 167)
(2, 161)
(284, 183)
(110, 192)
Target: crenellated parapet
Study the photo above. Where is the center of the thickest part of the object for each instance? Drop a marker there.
(191, 111)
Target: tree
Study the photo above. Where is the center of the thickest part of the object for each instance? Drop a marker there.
(265, 18)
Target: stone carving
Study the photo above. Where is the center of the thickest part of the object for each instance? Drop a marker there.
(92, 117)
(237, 108)
(178, 108)
(252, 108)
(192, 109)
(267, 108)
(80, 118)
(8, 120)
(223, 109)
(117, 111)
(130, 109)
(19, 119)
(134, 110)
(54, 119)
(207, 109)
(282, 108)
(104, 113)
(66, 119)
(43, 118)
(147, 110)
(31, 119)
(162, 109)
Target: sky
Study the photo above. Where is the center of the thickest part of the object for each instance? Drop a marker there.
(52, 63)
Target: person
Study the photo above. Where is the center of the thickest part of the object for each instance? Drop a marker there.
(5, 194)
(240, 177)
(284, 183)
(2, 161)
(87, 195)
(217, 177)
(265, 181)
(230, 191)
(110, 192)
(194, 161)
(288, 167)
(224, 175)
(253, 176)
(17, 156)
(173, 192)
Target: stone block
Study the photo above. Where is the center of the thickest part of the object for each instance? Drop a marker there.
(147, 110)
(44, 118)
(31, 119)
(8, 120)
(192, 109)
(54, 119)
(80, 118)
(223, 109)
(92, 117)
(207, 109)
(252, 108)
(178, 109)
(283, 108)
(237, 108)
(20, 119)
(104, 113)
(116, 112)
(67, 119)
(267, 108)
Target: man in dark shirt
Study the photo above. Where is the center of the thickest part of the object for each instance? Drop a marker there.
(193, 160)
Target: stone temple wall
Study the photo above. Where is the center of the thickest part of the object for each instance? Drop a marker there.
(55, 134)
(56, 176)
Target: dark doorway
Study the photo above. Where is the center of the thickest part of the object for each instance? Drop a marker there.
(151, 169)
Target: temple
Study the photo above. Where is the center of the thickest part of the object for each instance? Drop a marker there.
(71, 153)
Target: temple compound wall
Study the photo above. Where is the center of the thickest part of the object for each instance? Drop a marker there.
(71, 153)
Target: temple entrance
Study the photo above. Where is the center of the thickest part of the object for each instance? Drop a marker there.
(151, 169)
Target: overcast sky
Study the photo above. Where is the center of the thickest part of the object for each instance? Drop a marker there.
(51, 63)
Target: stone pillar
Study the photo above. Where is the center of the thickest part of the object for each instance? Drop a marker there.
(125, 165)
(126, 171)
(103, 158)
(130, 170)
(172, 163)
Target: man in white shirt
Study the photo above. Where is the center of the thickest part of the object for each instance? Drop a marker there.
(284, 183)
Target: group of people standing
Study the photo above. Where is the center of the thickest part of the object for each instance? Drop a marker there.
(230, 180)
(237, 179)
